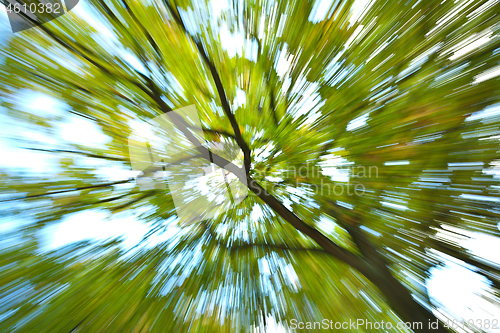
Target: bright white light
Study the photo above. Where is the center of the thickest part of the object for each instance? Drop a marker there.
(320, 10)
(457, 291)
(486, 75)
(274, 179)
(358, 122)
(353, 36)
(490, 111)
(393, 205)
(345, 204)
(231, 42)
(397, 163)
(45, 105)
(133, 61)
(97, 225)
(465, 164)
(93, 225)
(82, 10)
(84, 132)
(240, 99)
(470, 47)
(34, 161)
(359, 8)
(284, 61)
(218, 6)
(331, 165)
(257, 213)
(480, 197)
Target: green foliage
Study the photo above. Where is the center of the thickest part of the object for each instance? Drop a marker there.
(403, 66)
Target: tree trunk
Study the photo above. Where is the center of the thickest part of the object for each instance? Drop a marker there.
(372, 264)
(400, 299)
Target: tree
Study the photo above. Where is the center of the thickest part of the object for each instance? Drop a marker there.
(395, 91)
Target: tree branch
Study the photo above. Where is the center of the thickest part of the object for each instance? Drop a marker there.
(85, 56)
(151, 170)
(220, 89)
(340, 253)
(329, 246)
(206, 153)
(70, 190)
(272, 105)
(78, 152)
(219, 132)
(275, 247)
(484, 268)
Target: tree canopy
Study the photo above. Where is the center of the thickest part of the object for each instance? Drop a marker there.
(365, 134)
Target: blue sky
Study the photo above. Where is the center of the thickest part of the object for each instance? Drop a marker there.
(454, 287)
